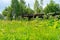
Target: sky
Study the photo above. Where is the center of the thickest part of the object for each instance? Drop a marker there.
(6, 3)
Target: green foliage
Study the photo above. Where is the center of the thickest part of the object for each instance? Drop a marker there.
(7, 12)
(1, 17)
(30, 30)
(22, 7)
(29, 10)
(36, 7)
(15, 8)
(51, 7)
(41, 5)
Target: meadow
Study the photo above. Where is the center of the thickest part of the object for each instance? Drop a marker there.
(30, 30)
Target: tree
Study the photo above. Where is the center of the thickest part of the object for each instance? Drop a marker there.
(7, 12)
(36, 7)
(15, 8)
(51, 7)
(29, 10)
(1, 17)
(22, 6)
(41, 5)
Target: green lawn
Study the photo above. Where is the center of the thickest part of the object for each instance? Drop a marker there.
(30, 30)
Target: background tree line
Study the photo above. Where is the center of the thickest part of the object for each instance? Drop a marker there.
(19, 7)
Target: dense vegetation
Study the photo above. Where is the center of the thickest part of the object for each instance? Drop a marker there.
(30, 30)
(35, 29)
(19, 7)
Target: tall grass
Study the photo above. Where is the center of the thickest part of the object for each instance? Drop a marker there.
(30, 30)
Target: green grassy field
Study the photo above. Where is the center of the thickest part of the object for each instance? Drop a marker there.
(30, 30)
